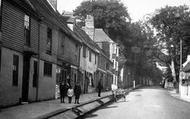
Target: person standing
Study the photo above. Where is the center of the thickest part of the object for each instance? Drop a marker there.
(114, 92)
(77, 92)
(64, 88)
(70, 93)
(99, 87)
(61, 92)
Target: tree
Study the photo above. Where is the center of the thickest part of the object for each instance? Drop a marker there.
(142, 51)
(111, 15)
(137, 38)
(168, 23)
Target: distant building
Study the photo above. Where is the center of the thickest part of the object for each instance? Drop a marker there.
(105, 43)
(111, 49)
(88, 61)
(88, 56)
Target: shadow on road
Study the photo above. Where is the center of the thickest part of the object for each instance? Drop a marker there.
(90, 116)
(137, 90)
(152, 87)
(107, 107)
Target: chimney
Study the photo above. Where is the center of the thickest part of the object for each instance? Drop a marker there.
(89, 26)
(53, 3)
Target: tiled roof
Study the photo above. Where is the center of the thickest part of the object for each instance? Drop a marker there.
(101, 36)
(85, 38)
(88, 41)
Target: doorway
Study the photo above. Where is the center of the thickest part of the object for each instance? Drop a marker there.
(25, 78)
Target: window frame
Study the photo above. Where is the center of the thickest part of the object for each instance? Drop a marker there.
(84, 51)
(27, 38)
(1, 12)
(49, 41)
(90, 56)
(15, 70)
(47, 71)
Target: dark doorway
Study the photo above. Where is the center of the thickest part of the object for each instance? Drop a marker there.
(35, 74)
(25, 78)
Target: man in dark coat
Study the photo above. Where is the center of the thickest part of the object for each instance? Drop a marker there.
(63, 91)
(77, 92)
(99, 87)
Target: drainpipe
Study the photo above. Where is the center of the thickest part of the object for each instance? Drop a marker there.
(37, 86)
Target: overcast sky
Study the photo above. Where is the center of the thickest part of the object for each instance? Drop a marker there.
(136, 8)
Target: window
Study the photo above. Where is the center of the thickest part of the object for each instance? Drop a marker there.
(95, 58)
(76, 58)
(15, 70)
(63, 44)
(113, 64)
(76, 47)
(84, 51)
(35, 74)
(47, 69)
(0, 58)
(49, 41)
(107, 66)
(116, 65)
(90, 56)
(27, 30)
(1, 6)
(116, 51)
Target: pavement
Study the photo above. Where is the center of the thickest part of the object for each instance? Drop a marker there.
(39, 110)
(53, 109)
(173, 93)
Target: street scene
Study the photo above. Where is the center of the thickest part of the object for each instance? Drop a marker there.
(78, 59)
(145, 103)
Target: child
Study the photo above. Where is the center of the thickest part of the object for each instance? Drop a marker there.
(123, 93)
(70, 94)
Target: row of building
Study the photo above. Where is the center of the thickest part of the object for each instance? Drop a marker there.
(39, 48)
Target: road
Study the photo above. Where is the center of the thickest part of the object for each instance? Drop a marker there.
(145, 103)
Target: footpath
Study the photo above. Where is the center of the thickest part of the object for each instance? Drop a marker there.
(53, 109)
(173, 93)
(42, 109)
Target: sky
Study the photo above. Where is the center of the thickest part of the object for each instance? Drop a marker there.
(138, 9)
